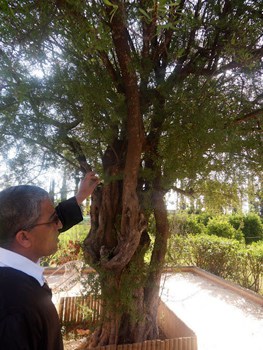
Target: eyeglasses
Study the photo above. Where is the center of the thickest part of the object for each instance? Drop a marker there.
(55, 221)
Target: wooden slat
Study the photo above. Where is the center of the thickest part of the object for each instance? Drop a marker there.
(183, 343)
(72, 310)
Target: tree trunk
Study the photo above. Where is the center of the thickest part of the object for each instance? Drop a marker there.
(118, 238)
(129, 286)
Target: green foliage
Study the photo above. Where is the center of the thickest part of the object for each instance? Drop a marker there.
(221, 227)
(179, 251)
(215, 255)
(220, 248)
(237, 221)
(75, 233)
(250, 224)
(250, 272)
(62, 81)
(242, 227)
(204, 217)
(224, 257)
(91, 285)
(219, 195)
(253, 228)
(211, 253)
(183, 223)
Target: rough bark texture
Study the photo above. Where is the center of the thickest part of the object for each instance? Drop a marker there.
(118, 239)
(129, 288)
(116, 248)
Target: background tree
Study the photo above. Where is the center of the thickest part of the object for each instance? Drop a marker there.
(147, 93)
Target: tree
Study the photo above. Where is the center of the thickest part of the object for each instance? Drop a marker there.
(148, 93)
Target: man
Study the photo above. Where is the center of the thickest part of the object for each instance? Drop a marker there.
(29, 230)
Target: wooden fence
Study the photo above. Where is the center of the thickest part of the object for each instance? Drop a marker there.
(79, 310)
(85, 311)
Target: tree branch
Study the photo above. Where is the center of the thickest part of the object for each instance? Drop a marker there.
(252, 115)
(189, 192)
(116, 78)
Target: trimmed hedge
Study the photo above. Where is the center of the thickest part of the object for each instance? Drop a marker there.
(227, 258)
(245, 228)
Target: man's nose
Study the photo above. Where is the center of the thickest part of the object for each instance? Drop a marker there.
(59, 224)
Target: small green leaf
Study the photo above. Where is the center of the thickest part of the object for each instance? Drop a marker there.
(107, 2)
(145, 14)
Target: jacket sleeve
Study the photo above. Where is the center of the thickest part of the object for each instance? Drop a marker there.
(69, 213)
(17, 333)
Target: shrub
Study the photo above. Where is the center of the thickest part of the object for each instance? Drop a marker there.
(184, 224)
(224, 257)
(253, 228)
(221, 227)
(211, 253)
(216, 255)
(178, 251)
(237, 221)
(254, 264)
(204, 218)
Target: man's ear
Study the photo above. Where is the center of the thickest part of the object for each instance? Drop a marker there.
(23, 239)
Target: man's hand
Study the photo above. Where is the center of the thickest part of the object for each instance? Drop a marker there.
(87, 186)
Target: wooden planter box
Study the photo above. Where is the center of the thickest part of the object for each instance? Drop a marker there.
(79, 311)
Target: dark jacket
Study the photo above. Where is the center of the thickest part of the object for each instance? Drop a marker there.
(28, 317)
(69, 213)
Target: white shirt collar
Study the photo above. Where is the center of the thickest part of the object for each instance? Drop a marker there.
(21, 263)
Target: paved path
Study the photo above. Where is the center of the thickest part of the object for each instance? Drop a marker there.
(221, 319)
